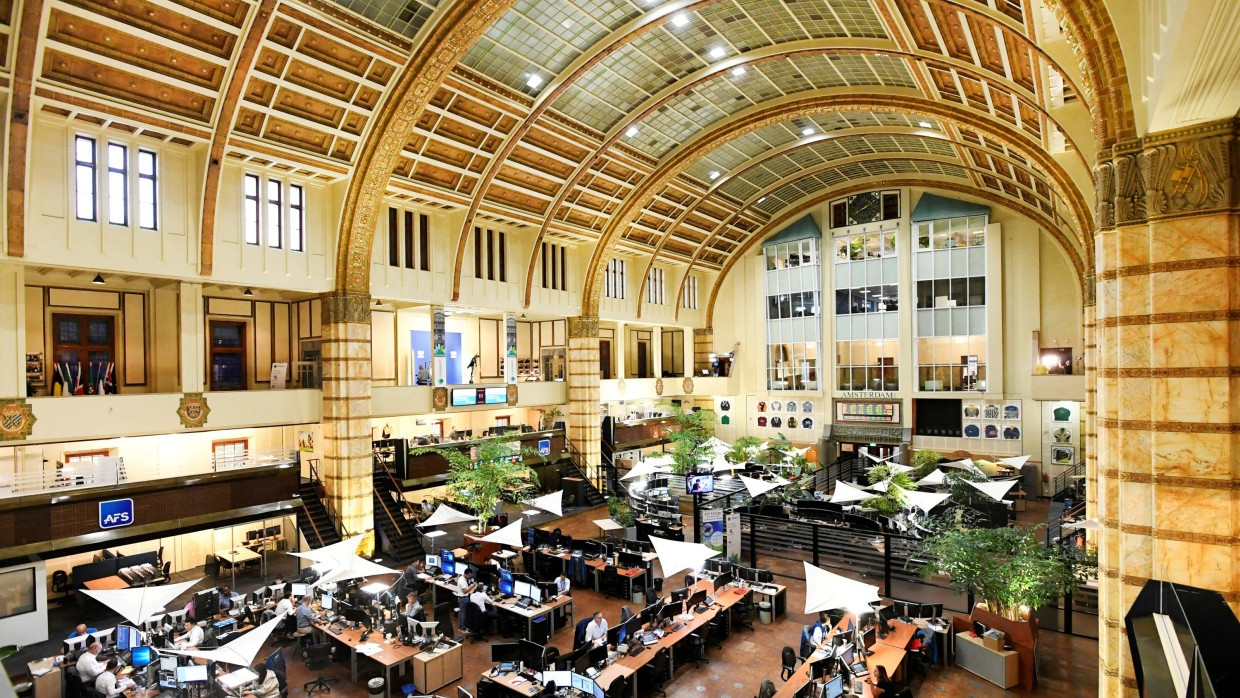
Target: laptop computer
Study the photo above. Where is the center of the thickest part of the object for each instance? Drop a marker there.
(650, 639)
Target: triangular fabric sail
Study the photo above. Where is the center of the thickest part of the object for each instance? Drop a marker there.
(675, 556)
(1015, 461)
(445, 515)
(758, 487)
(140, 604)
(333, 555)
(646, 467)
(353, 569)
(825, 590)
(925, 500)
(508, 535)
(933, 479)
(845, 493)
(723, 465)
(994, 489)
(239, 652)
(550, 502)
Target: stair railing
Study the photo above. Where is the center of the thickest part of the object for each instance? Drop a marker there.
(395, 486)
(1064, 480)
(325, 500)
(1054, 529)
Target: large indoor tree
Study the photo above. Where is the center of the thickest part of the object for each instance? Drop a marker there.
(686, 433)
(486, 472)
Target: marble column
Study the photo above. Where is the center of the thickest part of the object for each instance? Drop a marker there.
(1167, 330)
(703, 345)
(13, 332)
(583, 393)
(346, 412)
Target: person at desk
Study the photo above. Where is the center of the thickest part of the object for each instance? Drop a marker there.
(818, 632)
(226, 601)
(107, 683)
(81, 630)
(885, 686)
(285, 605)
(562, 585)
(267, 685)
(480, 599)
(190, 638)
(88, 665)
(465, 586)
(305, 618)
(596, 629)
(414, 608)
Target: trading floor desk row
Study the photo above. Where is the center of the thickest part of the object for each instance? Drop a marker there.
(888, 652)
(528, 615)
(431, 668)
(625, 667)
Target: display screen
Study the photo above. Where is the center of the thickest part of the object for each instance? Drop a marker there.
(432, 560)
(464, 397)
(881, 412)
(192, 673)
(700, 484)
(299, 590)
(523, 589)
(140, 657)
(17, 592)
(496, 396)
(467, 397)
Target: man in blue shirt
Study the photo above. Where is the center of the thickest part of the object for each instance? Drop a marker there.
(305, 618)
(226, 598)
(80, 631)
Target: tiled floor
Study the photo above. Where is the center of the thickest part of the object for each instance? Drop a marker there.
(1067, 664)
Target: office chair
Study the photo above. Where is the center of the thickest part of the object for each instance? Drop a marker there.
(60, 583)
(651, 595)
(318, 657)
(767, 689)
(610, 584)
(742, 612)
(688, 580)
(473, 623)
(443, 614)
(488, 689)
(211, 568)
(579, 633)
(619, 688)
(625, 613)
(658, 585)
(697, 647)
(651, 676)
(551, 655)
(788, 663)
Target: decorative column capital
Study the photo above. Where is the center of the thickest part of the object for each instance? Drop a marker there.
(583, 327)
(704, 332)
(345, 307)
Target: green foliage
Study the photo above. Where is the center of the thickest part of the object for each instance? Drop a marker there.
(743, 449)
(925, 461)
(482, 474)
(1006, 567)
(687, 432)
(548, 416)
(890, 502)
(957, 482)
(619, 511)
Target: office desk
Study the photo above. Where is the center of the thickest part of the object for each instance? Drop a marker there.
(628, 665)
(887, 656)
(776, 594)
(513, 683)
(433, 670)
(392, 655)
(901, 636)
(106, 583)
(529, 615)
(47, 678)
(999, 667)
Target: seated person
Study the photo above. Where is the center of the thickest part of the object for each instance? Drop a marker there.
(562, 584)
(191, 638)
(284, 606)
(413, 608)
(226, 601)
(305, 618)
(80, 631)
(267, 685)
(88, 665)
(107, 683)
(596, 629)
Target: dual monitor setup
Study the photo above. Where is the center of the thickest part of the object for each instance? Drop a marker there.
(531, 656)
(508, 584)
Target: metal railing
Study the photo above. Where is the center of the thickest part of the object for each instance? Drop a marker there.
(99, 472)
(253, 457)
(1066, 480)
(1054, 527)
(324, 499)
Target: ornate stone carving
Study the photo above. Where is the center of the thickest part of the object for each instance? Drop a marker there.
(345, 306)
(1189, 176)
(16, 419)
(193, 410)
(583, 326)
(1129, 189)
(1104, 195)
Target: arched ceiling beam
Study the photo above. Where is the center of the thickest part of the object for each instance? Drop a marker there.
(25, 57)
(798, 209)
(696, 79)
(224, 118)
(807, 142)
(816, 103)
(453, 29)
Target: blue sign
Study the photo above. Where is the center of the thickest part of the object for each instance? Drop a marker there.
(115, 513)
(544, 447)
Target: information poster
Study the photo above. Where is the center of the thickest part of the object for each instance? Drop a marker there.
(510, 355)
(733, 537)
(439, 357)
(712, 529)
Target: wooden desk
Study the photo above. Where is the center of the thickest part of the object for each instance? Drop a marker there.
(392, 656)
(433, 670)
(513, 683)
(777, 596)
(49, 683)
(901, 636)
(887, 656)
(529, 615)
(106, 583)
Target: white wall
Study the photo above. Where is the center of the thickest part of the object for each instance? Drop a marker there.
(27, 628)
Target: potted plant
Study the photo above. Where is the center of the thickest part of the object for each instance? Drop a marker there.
(743, 449)
(548, 416)
(686, 433)
(890, 502)
(486, 473)
(619, 511)
(925, 461)
(1008, 568)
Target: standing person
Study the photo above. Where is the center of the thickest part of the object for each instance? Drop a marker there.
(596, 629)
(424, 376)
(464, 587)
(305, 618)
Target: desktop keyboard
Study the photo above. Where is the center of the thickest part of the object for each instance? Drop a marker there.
(637, 651)
(676, 627)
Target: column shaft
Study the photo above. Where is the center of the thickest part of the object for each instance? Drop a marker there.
(347, 459)
(583, 392)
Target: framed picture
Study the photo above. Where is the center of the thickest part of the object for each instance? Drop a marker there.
(17, 592)
(1063, 455)
(1062, 435)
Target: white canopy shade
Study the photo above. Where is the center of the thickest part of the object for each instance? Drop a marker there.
(845, 493)
(1087, 524)
(722, 465)
(646, 467)
(357, 567)
(900, 468)
(239, 652)
(824, 590)
(334, 555)
(880, 486)
(798, 452)
(925, 500)
(715, 446)
(675, 556)
(995, 489)
(758, 487)
(140, 604)
(779, 480)
(876, 459)
(966, 464)
(1015, 462)
(550, 502)
(445, 515)
(934, 478)
(508, 535)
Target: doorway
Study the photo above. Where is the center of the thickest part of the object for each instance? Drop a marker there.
(227, 355)
(604, 358)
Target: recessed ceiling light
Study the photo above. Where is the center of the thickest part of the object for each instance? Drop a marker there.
(762, 199)
(567, 24)
(631, 131)
(717, 52)
(924, 124)
(680, 20)
(807, 131)
(738, 71)
(534, 80)
(714, 174)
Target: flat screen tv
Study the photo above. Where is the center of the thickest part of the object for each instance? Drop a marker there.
(17, 592)
(700, 484)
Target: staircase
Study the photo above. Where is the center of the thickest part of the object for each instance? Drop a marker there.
(594, 497)
(400, 537)
(1068, 484)
(1054, 527)
(315, 523)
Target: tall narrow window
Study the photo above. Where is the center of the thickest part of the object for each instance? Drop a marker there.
(689, 298)
(477, 253)
(275, 228)
(84, 177)
(393, 238)
(148, 201)
(614, 279)
(409, 249)
(544, 265)
(251, 206)
(654, 287)
(296, 218)
(563, 268)
(424, 242)
(118, 184)
(503, 257)
(490, 255)
(554, 269)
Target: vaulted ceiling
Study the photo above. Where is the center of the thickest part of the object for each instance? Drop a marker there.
(563, 115)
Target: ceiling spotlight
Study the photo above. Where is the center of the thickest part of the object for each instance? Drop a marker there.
(631, 131)
(247, 292)
(98, 280)
(717, 52)
(534, 80)
(714, 174)
(738, 71)
(807, 131)
(680, 20)
(924, 124)
(567, 24)
(762, 199)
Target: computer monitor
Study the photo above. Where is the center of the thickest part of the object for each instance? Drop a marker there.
(432, 561)
(822, 667)
(700, 484)
(447, 566)
(650, 612)
(723, 580)
(140, 657)
(447, 556)
(505, 575)
(523, 588)
(632, 625)
(834, 687)
(327, 601)
(847, 655)
(680, 594)
(532, 655)
(764, 576)
(357, 615)
(506, 586)
(911, 610)
(671, 610)
(979, 629)
(299, 590)
(192, 673)
(583, 683)
(868, 638)
(630, 560)
(697, 598)
(462, 693)
(615, 635)
(506, 652)
(536, 593)
(252, 535)
(931, 610)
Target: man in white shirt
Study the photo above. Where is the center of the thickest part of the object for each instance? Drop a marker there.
(285, 605)
(107, 683)
(191, 638)
(596, 629)
(465, 586)
(88, 665)
(562, 584)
